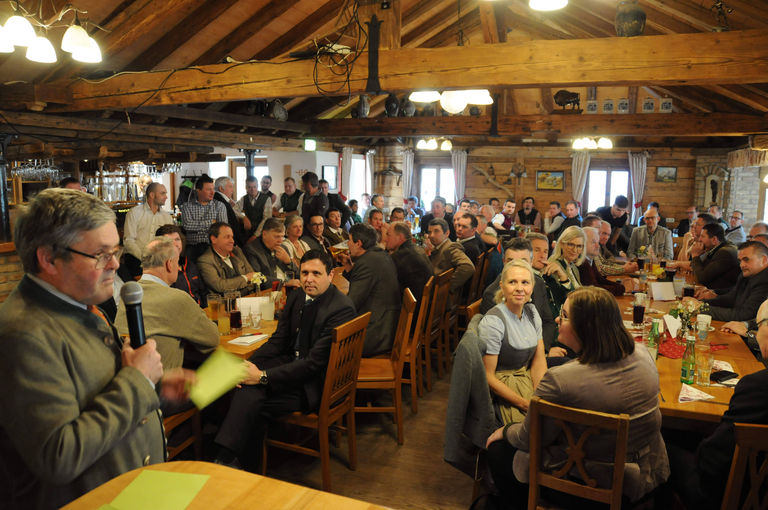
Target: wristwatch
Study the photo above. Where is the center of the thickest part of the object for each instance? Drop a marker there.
(263, 379)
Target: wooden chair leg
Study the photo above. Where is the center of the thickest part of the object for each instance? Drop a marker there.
(397, 396)
(414, 388)
(352, 440)
(440, 348)
(325, 456)
(427, 350)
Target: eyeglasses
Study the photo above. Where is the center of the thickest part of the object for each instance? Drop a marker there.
(316, 225)
(563, 316)
(102, 259)
(736, 217)
(573, 246)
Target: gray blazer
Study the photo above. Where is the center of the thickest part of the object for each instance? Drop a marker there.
(212, 270)
(630, 386)
(662, 242)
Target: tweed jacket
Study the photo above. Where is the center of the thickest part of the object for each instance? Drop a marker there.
(450, 255)
(334, 238)
(661, 242)
(373, 288)
(211, 268)
(173, 319)
(73, 416)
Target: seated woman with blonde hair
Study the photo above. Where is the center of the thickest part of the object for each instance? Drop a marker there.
(611, 374)
(514, 359)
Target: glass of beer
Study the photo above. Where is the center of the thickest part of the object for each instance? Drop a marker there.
(638, 309)
(688, 290)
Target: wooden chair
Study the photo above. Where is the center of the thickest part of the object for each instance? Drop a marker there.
(595, 422)
(387, 374)
(477, 287)
(677, 243)
(196, 438)
(750, 459)
(338, 400)
(415, 345)
(473, 309)
(434, 339)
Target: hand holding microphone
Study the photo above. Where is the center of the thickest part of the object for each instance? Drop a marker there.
(142, 352)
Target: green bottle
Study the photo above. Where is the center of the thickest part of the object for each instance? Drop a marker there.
(653, 338)
(689, 361)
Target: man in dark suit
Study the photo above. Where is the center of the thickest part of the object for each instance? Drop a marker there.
(699, 478)
(269, 258)
(466, 227)
(287, 373)
(520, 248)
(413, 266)
(315, 203)
(313, 234)
(438, 211)
(240, 223)
(373, 287)
(333, 231)
(714, 260)
(336, 202)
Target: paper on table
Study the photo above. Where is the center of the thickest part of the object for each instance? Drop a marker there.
(248, 339)
(673, 324)
(721, 365)
(248, 305)
(160, 490)
(220, 373)
(662, 291)
(690, 394)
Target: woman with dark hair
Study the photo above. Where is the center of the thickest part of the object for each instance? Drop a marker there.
(189, 276)
(514, 356)
(611, 374)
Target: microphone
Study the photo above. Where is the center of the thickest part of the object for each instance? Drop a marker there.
(131, 294)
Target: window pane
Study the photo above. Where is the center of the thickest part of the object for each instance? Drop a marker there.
(357, 180)
(447, 185)
(597, 182)
(619, 185)
(259, 170)
(428, 185)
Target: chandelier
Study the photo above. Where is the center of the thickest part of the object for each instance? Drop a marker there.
(453, 101)
(19, 30)
(590, 143)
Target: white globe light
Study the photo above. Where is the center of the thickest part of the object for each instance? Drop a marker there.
(453, 101)
(41, 50)
(20, 31)
(605, 143)
(90, 56)
(75, 39)
(6, 46)
(446, 145)
(424, 96)
(421, 144)
(547, 5)
(578, 144)
(591, 144)
(431, 144)
(481, 97)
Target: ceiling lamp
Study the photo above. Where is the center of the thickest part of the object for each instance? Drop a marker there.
(481, 97)
(547, 5)
(446, 145)
(41, 50)
(90, 55)
(76, 39)
(19, 30)
(432, 144)
(424, 96)
(604, 143)
(6, 46)
(453, 101)
(589, 143)
(421, 144)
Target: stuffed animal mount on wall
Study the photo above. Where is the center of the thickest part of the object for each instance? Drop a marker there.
(490, 177)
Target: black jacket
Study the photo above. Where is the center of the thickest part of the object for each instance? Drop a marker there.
(335, 202)
(373, 288)
(429, 217)
(720, 267)
(263, 261)
(743, 300)
(241, 236)
(413, 268)
(317, 319)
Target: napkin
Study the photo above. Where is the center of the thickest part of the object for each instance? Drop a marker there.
(248, 339)
(690, 394)
(248, 305)
(673, 325)
(662, 291)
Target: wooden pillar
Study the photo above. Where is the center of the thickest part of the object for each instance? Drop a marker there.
(389, 33)
(388, 181)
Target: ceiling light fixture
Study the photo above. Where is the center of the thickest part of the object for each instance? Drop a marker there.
(424, 96)
(6, 46)
(41, 50)
(446, 145)
(547, 5)
(431, 144)
(590, 143)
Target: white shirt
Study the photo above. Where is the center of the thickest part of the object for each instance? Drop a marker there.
(267, 210)
(140, 227)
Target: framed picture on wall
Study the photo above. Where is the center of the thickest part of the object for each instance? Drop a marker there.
(553, 181)
(666, 174)
(331, 174)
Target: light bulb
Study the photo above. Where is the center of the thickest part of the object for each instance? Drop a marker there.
(547, 5)
(446, 145)
(432, 144)
(92, 55)
(424, 96)
(41, 50)
(310, 144)
(6, 46)
(421, 144)
(578, 144)
(605, 143)
(453, 101)
(75, 39)
(591, 144)
(20, 31)
(481, 97)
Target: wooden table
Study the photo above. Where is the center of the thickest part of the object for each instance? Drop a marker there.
(737, 354)
(245, 351)
(228, 488)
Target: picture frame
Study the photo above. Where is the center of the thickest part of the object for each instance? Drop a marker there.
(666, 174)
(331, 174)
(550, 181)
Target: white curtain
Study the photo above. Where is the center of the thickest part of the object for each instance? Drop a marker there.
(369, 155)
(459, 162)
(638, 163)
(579, 172)
(408, 155)
(346, 170)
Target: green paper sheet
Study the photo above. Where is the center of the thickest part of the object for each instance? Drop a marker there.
(160, 490)
(221, 372)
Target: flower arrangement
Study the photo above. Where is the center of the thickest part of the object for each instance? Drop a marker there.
(258, 278)
(687, 311)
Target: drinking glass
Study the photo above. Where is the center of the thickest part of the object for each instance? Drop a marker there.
(704, 362)
(678, 282)
(638, 309)
(688, 290)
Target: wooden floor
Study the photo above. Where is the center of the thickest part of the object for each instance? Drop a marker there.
(411, 476)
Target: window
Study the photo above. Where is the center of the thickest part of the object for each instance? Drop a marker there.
(260, 169)
(603, 186)
(357, 180)
(437, 181)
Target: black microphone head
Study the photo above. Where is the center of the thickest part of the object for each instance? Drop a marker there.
(131, 293)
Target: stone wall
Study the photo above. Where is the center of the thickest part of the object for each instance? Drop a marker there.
(745, 192)
(10, 270)
(387, 178)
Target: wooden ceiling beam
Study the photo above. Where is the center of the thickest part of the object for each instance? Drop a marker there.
(490, 16)
(469, 25)
(207, 116)
(742, 95)
(193, 23)
(650, 124)
(244, 31)
(687, 59)
(422, 11)
(441, 21)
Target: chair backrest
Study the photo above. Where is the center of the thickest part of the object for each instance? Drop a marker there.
(476, 278)
(407, 311)
(484, 274)
(473, 309)
(750, 461)
(344, 363)
(422, 320)
(440, 295)
(595, 422)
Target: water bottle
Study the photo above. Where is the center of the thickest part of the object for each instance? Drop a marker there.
(653, 338)
(688, 370)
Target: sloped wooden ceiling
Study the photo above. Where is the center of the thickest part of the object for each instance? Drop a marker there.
(718, 81)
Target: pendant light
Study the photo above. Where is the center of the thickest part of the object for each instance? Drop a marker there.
(19, 30)
(547, 5)
(6, 46)
(75, 38)
(91, 55)
(41, 50)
